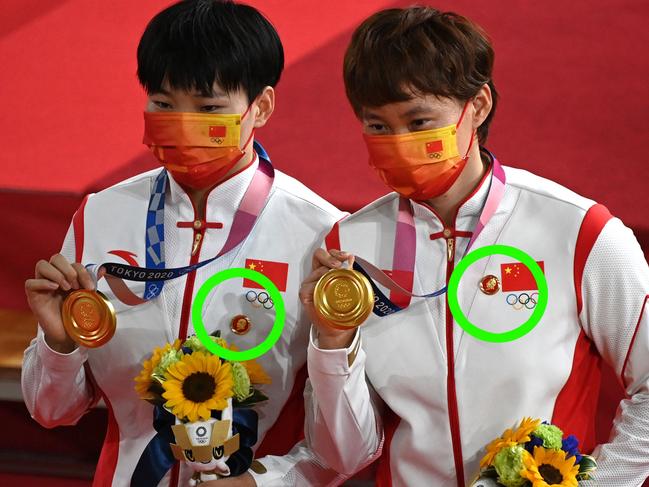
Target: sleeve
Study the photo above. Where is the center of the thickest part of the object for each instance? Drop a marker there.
(343, 424)
(300, 467)
(615, 315)
(55, 387)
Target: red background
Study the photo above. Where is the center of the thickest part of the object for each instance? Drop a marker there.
(572, 78)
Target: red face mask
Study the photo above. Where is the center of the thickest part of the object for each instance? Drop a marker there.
(419, 165)
(198, 149)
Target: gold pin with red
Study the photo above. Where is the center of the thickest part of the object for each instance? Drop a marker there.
(240, 324)
(489, 284)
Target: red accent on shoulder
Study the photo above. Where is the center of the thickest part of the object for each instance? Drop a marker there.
(107, 463)
(77, 225)
(635, 333)
(127, 256)
(289, 426)
(332, 240)
(383, 474)
(594, 221)
(575, 409)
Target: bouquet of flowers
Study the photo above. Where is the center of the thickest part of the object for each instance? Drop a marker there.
(536, 454)
(206, 402)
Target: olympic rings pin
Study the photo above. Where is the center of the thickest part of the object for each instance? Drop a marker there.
(258, 300)
(522, 300)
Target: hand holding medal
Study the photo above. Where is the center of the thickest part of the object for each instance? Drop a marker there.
(334, 298)
(62, 296)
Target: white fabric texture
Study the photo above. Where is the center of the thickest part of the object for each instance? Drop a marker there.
(615, 290)
(292, 224)
(404, 357)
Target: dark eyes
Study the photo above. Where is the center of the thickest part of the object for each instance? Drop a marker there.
(420, 124)
(162, 105)
(414, 126)
(210, 108)
(204, 109)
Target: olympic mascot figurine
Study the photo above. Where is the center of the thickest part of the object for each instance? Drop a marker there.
(205, 446)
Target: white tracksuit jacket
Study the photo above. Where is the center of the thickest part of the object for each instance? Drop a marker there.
(57, 388)
(431, 396)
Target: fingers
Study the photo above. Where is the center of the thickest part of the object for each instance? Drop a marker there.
(306, 293)
(45, 270)
(36, 285)
(62, 264)
(64, 274)
(332, 259)
(308, 286)
(85, 279)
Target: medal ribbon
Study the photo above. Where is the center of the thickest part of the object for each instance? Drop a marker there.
(154, 274)
(405, 246)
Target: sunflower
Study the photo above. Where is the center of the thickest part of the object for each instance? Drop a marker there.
(495, 446)
(256, 372)
(143, 382)
(197, 385)
(550, 468)
(525, 429)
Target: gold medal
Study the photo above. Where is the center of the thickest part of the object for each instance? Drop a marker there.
(88, 317)
(343, 298)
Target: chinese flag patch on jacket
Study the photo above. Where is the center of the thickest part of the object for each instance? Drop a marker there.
(275, 271)
(517, 277)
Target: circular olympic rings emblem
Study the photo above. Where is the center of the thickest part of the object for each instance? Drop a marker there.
(257, 300)
(522, 301)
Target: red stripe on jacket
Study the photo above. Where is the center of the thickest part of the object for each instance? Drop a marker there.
(383, 472)
(591, 226)
(575, 409)
(288, 429)
(107, 463)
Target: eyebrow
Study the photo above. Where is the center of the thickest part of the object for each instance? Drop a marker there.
(196, 94)
(369, 115)
(214, 94)
(417, 110)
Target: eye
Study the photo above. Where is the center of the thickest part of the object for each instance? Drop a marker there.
(420, 124)
(210, 108)
(376, 128)
(162, 105)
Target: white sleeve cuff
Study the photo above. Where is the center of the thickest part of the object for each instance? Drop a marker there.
(60, 362)
(335, 361)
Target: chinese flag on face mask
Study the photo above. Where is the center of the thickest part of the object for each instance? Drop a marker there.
(275, 271)
(517, 277)
(217, 131)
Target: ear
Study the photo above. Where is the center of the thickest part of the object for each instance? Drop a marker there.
(482, 103)
(265, 105)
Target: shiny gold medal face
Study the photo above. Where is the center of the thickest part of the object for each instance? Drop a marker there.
(343, 298)
(88, 318)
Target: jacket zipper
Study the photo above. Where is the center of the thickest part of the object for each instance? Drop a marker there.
(451, 396)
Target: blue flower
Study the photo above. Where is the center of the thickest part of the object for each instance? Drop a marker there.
(571, 446)
(535, 441)
(187, 350)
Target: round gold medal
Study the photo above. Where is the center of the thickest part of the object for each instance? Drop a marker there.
(343, 298)
(88, 317)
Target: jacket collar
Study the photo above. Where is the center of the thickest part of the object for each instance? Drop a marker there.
(469, 210)
(222, 201)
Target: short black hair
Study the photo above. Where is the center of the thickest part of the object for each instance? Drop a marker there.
(398, 51)
(194, 43)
